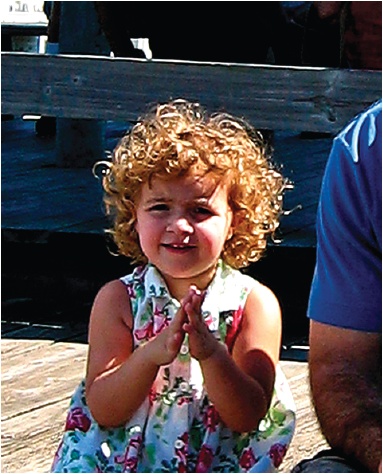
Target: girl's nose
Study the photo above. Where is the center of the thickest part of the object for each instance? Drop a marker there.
(180, 225)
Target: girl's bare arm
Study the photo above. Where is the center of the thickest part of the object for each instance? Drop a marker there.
(118, 378)
(241, 385)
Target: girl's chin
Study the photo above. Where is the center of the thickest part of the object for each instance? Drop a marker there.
(198, 276)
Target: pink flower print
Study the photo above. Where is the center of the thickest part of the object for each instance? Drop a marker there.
(183, 400)
(130, 291)
(160, 321)
(205, 459)
(57, 456)
(248, 459)
(277, 453)
(182, 467)
(146, 332)
(232, 328)
(130, 464)
(77, 419)
(130, 460)
(134, 442)
(152, 395)
(153, 327)
(181, 449)
(209, 320)
(211, 419)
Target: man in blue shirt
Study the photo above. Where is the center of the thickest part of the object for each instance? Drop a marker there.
(345, 305)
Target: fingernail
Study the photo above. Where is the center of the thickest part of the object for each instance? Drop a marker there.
(195, 290)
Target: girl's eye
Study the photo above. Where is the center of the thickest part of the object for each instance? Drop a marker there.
(159, 207)
(202, 211)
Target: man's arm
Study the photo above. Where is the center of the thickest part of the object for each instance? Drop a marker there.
(345, 373)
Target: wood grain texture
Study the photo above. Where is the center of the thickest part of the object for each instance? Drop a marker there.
(100, 87)
(39, 376)
(308, 439)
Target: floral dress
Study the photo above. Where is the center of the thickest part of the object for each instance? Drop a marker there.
(177, 429)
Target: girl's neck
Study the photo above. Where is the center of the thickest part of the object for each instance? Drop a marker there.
(179, 287)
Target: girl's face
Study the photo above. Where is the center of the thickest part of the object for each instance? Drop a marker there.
(182, 225)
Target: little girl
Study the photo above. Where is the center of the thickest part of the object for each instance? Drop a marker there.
(182, 372)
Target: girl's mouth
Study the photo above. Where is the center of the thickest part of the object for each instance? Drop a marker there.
(179, 247)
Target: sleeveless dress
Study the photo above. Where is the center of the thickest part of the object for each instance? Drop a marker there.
(177, 429)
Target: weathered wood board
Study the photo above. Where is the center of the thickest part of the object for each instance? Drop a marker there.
(308, 439)
(105, 88)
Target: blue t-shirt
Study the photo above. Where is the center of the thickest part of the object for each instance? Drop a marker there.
(347, 288)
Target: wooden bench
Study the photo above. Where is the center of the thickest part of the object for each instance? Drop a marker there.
(102, 88)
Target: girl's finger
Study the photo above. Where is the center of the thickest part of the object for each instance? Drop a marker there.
(174, 343)
(179, 318)
(193, 312)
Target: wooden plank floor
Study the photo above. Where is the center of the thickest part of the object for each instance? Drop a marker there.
(40, 366)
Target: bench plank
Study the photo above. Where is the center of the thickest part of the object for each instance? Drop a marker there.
(100, 87)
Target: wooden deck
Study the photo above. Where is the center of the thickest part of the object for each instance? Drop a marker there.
(44, 335)
(41, 365)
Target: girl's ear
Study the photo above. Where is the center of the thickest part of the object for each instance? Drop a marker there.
(230, 233)
(135, 227)
(230, 230)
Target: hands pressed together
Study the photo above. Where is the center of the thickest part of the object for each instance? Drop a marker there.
(188, 320)
(232, 380)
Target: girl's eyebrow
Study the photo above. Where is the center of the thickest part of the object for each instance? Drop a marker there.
(202, 199)
(157, 199)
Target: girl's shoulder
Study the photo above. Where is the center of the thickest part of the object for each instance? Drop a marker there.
(110, 291)
(264, 299)
(111, 305)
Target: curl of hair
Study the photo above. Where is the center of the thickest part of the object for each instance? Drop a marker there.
(178, 138)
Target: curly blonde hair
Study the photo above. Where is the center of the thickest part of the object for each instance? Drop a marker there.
(179, 138)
